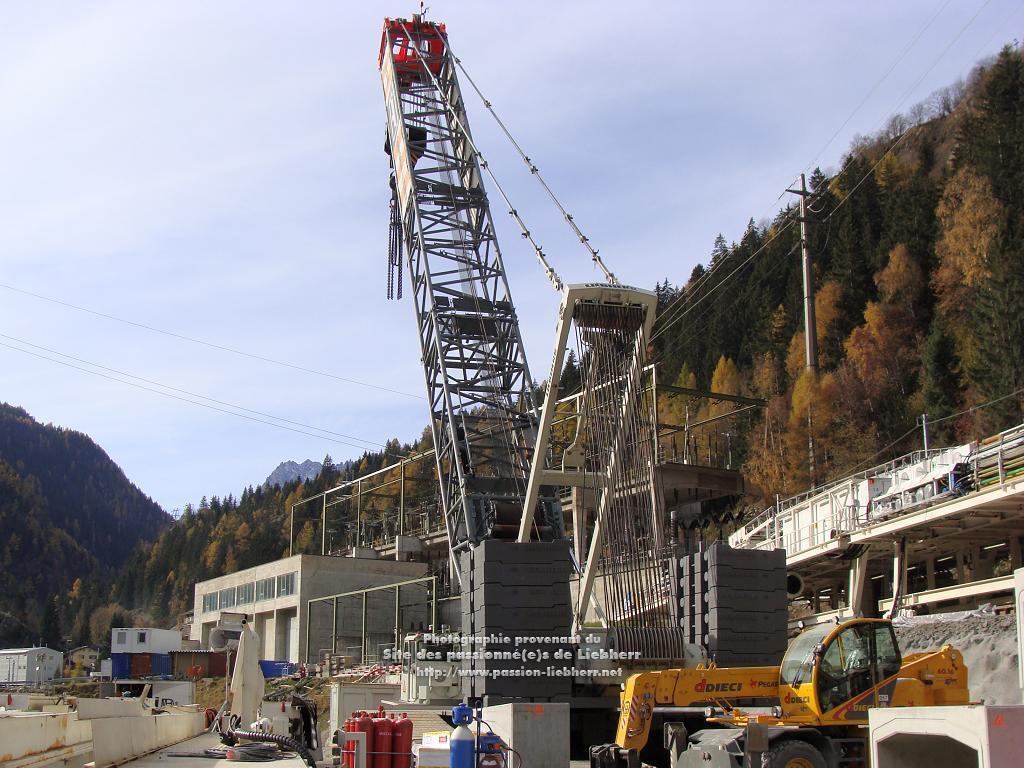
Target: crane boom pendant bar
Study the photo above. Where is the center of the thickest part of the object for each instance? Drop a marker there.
(483, 418)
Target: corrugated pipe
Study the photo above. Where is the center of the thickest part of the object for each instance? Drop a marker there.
(232, 737)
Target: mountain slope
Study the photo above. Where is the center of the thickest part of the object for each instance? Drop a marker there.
(290, 471)
(918, 247)
(67, 512)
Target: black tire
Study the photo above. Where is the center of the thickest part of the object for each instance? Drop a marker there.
(793, 753)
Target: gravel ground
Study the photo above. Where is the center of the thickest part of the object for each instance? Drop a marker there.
(988, 643)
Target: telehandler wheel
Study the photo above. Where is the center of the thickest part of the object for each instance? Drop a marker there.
(793, 753)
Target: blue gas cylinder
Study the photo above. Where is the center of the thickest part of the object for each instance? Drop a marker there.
(462, 745)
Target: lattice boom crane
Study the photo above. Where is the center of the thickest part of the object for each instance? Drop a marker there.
(500, 473)
(483, 415)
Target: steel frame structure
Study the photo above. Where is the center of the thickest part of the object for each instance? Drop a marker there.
(483, 415)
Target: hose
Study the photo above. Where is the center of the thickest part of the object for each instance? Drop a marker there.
(231, 737)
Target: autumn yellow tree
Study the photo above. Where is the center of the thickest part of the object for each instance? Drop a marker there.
(969, 217)
(726, 380)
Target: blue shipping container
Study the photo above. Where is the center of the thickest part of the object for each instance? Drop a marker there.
(161, 664)
(120, 666)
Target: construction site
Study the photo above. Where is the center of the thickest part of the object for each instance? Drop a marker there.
(566, 576)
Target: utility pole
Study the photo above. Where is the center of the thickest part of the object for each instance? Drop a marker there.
(810, 324)
(923, 419)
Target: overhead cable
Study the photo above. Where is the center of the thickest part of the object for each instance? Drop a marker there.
(210, 344)
(209, 405)
(553, 277)
(535, 171)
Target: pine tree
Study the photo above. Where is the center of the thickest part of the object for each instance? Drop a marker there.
(49, 629)
(939, 385)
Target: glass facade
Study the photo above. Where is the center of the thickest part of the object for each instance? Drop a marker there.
(265, 589)
(227, 598)
(286, 584)
(245, 593)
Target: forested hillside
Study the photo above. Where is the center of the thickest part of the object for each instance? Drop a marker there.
(67, 512)
(918, 248)
(223, 535)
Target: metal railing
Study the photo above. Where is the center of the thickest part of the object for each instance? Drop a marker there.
(993, 461)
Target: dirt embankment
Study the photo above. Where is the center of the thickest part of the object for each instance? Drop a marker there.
(989, 646)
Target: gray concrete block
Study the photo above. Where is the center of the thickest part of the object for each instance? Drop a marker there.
(538, 732)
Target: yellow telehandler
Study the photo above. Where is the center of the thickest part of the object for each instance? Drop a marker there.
(814, 711)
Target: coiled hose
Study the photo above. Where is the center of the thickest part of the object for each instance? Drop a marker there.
(231, 737)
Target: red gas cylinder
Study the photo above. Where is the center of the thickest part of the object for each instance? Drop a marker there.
(401, 742)
(364, 723)
(381, 741)
(347, 758)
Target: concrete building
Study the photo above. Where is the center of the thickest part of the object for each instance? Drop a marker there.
(275, 597)
(29, 666)
(85, 656)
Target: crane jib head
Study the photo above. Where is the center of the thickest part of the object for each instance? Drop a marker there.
(406, 51)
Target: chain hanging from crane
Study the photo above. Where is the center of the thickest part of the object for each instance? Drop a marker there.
(395, 250)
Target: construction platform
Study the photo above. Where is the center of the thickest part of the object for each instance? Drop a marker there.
(940, 529)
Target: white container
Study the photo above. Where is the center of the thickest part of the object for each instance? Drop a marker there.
(431, 756)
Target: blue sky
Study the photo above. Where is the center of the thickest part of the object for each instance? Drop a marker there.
(215, 170)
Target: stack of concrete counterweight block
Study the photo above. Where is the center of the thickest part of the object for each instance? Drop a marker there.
(512, 590)
(733, 603)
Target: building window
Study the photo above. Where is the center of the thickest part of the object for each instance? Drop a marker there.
(142, 637)
(265, 589)
(286, 584)
(209, 602)
(245, 593)
(227, 598)
(122, 638)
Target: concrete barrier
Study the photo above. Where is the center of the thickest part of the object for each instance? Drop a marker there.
(119, 739)
(35, 740)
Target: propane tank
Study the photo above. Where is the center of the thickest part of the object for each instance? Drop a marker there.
(364, 723)
(401, 742)
(462, 745)
(381, 741)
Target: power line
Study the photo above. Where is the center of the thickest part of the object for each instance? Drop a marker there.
(679, 316)
(210, 344)
(186, 392)
(977, 407)
(878, 82)
(164, 393)
(695, 329)
(677, 304)
(674, 311)
(906, 133)
(913, 429)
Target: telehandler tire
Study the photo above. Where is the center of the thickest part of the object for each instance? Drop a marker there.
(793, 753)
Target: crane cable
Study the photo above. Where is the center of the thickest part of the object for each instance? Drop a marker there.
(535, 171)
(556, 281)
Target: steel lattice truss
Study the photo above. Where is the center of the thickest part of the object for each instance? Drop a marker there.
(478, 383)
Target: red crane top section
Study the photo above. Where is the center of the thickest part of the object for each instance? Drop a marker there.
(405, 50)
